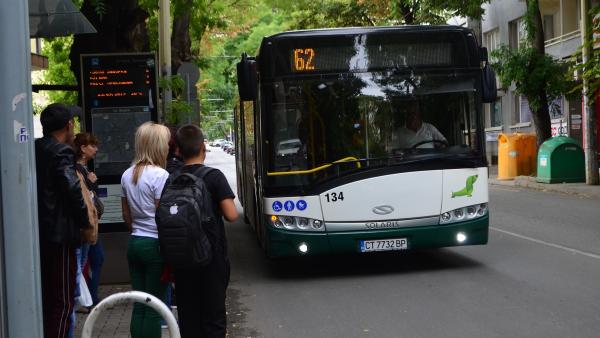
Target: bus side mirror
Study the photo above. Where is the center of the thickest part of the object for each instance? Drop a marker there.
(489, 92)
(247, 78)
(483, 54)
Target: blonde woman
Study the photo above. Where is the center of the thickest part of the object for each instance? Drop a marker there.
(142, 185)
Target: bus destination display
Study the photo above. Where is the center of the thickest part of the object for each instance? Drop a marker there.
(371, 52)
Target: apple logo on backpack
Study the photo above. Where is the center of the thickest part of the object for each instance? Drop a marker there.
(173, 210)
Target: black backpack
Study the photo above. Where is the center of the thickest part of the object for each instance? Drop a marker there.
(185, 209)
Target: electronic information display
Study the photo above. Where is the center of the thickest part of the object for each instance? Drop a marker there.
(119, 94)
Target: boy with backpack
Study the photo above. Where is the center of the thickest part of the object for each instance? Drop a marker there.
(191, 233)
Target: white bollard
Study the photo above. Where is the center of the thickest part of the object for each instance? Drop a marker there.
(128, 297)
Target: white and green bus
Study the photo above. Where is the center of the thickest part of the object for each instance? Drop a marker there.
(364, 140)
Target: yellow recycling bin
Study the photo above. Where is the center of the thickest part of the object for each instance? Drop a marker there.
(517, 155)
(508, 154)
(527, 162)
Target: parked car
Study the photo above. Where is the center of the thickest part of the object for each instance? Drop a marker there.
(218, 142)
(226, 145)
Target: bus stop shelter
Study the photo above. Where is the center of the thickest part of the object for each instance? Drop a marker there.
(20, 292)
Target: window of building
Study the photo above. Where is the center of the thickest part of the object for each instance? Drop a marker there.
(521, 112)
(493, 114)
(548, 27)
(491, 39)
(516, 33)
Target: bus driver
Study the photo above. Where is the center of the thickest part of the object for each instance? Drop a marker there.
(415, 132)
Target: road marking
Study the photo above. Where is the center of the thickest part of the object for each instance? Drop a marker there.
(557, 246)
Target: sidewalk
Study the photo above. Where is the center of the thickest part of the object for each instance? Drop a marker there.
(114, 323)
(578, 189)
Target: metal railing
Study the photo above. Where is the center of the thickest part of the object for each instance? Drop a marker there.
(562, 38)
(128, 297)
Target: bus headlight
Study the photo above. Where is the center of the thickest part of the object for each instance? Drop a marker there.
(303, 248)
(276, 222)
(296, 223)
(464, 213)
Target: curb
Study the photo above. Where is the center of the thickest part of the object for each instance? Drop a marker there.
(579, 189)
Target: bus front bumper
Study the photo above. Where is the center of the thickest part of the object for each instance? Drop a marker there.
(282, 243)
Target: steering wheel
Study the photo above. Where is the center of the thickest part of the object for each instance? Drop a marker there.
(444, 143)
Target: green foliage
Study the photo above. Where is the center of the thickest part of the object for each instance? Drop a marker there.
(348, 13)
(178, 111)
(590, 70)
(100, 7)
(59, 69)
(336, 13)
(219, 78)
(433, 11)
(531, 73)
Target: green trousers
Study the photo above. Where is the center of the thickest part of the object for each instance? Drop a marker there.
(145, 267)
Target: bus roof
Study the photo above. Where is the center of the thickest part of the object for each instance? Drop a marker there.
(325, 32)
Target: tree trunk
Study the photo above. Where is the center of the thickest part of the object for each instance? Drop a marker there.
(181, 43)
(541, 119)
(541, 114)
(122, 29)
(406, 13)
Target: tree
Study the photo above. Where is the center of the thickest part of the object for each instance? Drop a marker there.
(58, 72)
(590, 70)
(346, 13)
(412, 12)
(535, 74)
(121, 26)
(221, 49)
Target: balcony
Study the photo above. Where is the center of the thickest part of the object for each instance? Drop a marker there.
(563, 46)
(560, 19)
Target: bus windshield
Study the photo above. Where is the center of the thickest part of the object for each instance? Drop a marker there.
(360, 118)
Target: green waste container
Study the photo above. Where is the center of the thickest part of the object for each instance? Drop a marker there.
(561, 159)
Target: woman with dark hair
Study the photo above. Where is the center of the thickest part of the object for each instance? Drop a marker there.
(174, 160)
(86, 147)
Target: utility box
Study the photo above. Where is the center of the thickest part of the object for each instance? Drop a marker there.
(561, 159)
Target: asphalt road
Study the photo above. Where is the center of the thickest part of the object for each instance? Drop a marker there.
(539, 276)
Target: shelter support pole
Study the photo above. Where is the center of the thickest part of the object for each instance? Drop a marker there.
(589, 121)
(164, 49)
(20, 292)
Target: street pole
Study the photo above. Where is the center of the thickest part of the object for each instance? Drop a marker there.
(20, 285)
(164, 50)
(589, 122)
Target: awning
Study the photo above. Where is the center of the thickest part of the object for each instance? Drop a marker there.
(50, 18)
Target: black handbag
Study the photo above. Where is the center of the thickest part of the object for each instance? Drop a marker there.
(99, 205)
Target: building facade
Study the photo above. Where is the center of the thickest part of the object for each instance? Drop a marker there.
(503, 24)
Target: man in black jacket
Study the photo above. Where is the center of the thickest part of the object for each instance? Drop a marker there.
(61, 213)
